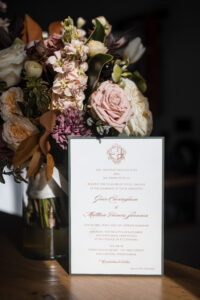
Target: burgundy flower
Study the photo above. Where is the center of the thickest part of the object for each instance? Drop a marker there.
(53, 43)
(36, 50)
(71, 122)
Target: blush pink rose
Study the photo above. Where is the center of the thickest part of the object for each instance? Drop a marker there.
(110, 103)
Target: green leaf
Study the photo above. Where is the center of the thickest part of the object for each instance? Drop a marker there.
(90, 122)
(96, 65)
(116, 75)
(140, 81)
(98, 33)
(100, 129)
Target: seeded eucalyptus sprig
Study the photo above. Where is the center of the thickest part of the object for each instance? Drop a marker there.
(36, 97)
(100, 128)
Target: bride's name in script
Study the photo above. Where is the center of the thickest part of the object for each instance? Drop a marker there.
(113, 199)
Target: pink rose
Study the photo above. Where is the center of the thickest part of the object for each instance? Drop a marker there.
(110, 103)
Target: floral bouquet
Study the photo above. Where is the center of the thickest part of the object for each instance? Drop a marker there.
(68, 82)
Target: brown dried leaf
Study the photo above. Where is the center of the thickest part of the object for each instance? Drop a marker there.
(50, 166)
(55, 27)
(44, 143)
(48, 120)
(32, 31)
(35, 164)
(26, 149)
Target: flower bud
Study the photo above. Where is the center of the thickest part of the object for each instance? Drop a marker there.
(80, 22)
(33, 69)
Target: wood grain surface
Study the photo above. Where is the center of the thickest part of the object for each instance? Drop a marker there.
(24, 279)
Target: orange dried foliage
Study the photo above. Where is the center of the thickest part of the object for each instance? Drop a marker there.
(55, 27)
(49, 167)
(26, 149)
(35, 164)
(32, 31)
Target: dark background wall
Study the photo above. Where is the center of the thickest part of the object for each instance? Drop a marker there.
(171, 65)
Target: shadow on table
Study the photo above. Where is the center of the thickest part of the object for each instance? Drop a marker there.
(11, 228)
(187, 277)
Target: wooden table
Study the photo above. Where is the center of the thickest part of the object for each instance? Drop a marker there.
(24, 279)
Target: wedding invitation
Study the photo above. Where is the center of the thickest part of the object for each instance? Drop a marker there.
(116, 206)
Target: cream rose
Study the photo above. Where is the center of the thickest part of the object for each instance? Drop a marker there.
(110, 103)
(141, 122)
(8, 103)
(17, 129)
(33, 69)
(96, 47)
(11, 64)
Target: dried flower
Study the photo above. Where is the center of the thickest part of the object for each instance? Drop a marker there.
(36, 50)
(53, 43)
(71, 122)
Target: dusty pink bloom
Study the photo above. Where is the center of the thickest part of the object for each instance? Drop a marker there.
(76, 49)
(57, 61)
(60, 64)
(110, 104)
(54, 43)
(68, 90)
(71, 122)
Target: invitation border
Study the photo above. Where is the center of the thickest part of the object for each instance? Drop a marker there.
(69, 203)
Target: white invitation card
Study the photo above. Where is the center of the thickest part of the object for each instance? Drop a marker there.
(116, 206)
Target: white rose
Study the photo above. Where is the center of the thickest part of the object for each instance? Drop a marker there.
(141, 123)
(11, 64)
(96, 47)
(17, 129)
(33, 69)
(8, 103)
(134, 50)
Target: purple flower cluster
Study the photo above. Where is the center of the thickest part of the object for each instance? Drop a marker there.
(71, 122)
